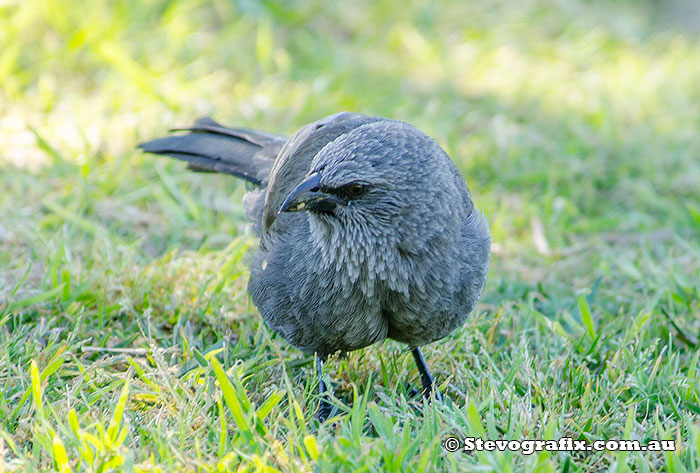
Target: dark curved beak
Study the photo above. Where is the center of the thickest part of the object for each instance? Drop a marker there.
(309, 196)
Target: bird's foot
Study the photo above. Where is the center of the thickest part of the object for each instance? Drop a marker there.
(429, 386)
(325, 408)
(425, 393)
(413, 392)
(324, 411)
(434, 391)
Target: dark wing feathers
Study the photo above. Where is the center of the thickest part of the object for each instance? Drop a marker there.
(211, 147)
(260, 138)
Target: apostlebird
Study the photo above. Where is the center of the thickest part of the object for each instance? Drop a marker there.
(367, 231)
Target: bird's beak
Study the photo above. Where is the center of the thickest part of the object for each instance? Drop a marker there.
(308, 196)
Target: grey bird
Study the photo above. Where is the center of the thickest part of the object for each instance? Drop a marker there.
(367, 231)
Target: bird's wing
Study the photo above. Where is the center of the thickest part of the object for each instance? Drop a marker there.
(211, 147)
(294, 160)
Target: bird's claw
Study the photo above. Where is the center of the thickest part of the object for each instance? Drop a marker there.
(425, 393)
(324, 411)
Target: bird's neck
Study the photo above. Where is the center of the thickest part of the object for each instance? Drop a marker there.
(362, 257)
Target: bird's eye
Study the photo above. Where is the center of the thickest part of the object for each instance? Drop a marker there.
(348, 191)
(353, 190)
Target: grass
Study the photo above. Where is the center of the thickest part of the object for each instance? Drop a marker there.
(128, 343)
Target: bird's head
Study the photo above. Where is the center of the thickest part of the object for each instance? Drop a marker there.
(384, 180)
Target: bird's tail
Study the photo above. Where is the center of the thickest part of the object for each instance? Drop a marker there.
(211, 147)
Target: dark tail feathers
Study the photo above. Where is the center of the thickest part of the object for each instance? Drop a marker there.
(211, 147)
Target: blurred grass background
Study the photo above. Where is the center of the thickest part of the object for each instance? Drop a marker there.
(122, 278)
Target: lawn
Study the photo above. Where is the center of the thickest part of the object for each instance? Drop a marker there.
(127, 339)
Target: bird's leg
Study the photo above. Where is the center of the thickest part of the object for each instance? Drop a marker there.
(324, 407)
(426, 378)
